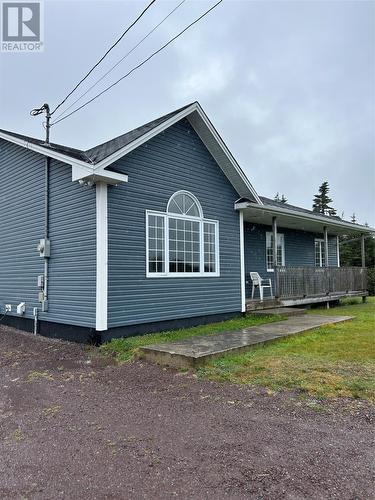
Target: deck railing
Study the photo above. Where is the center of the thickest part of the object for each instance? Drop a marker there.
(292, 282)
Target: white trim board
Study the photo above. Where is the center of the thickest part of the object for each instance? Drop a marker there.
(101, 256)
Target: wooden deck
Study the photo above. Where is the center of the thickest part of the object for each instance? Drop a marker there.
(311, 285)
(309, 282)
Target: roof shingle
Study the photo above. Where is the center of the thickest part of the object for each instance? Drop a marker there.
(98, 153)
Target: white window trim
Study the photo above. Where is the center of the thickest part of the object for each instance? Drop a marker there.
(282, 240)
(168, 274)
(322, 249)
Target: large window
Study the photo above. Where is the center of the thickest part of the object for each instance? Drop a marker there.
(280, 251)
(320, 253)
(181, 242)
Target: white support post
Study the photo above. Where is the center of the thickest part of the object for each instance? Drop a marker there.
(101, 256)
(326, 245)
(363, 252)
(338, 250)
(242, 262)
(274, 254)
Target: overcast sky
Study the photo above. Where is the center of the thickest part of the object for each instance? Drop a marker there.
(290, 85)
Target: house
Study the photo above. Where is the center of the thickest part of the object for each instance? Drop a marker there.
(156, 229)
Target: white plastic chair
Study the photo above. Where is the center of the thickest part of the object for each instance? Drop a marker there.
(261, 283)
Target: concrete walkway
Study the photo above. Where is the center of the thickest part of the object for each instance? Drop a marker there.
(196, 351)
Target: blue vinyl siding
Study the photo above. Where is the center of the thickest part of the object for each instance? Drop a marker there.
(174, 160)
(299, 250)
(72, 266)
(21, 225)
(332, 251)
(72, 269)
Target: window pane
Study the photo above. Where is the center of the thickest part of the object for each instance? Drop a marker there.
(176, 204)
(184, 204)
(192, 210)
(156, 251)
(182, 244)
(317, 253)
(269, 258)
(269, 250)
(209, 231)
(320, 257)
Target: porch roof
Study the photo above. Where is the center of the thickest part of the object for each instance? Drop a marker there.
(290, 216)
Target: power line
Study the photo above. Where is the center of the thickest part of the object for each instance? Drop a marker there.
(105, 55)
(139, 65)
(120, 60)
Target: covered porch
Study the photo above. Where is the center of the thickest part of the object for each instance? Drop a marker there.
(296, 254)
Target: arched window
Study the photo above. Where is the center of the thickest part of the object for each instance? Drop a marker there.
(181, 242)
(184, 203)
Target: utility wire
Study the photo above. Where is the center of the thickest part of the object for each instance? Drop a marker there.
(105, 55)
(139, 65)
(120, 60)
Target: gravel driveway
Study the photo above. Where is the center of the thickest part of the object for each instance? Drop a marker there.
(70, 428)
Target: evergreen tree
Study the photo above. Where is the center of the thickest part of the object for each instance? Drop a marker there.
(322, 200)
(332, 212)
(350, 255)
(284, 199)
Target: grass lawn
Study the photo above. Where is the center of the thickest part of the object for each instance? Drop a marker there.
(333, 361)
(124, 349)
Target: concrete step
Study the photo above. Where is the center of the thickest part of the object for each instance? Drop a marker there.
(280, 311)
(195, 351)
(254, 305)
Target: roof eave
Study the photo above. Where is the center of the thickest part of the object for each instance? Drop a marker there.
(299, 215)
(45, 151)
(108, 177)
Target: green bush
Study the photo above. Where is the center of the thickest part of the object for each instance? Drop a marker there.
(371, 280)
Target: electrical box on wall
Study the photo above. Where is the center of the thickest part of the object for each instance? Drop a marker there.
(44, 247)
(41, 281)
(21, 308)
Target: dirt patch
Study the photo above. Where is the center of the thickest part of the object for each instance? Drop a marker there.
(72, 427)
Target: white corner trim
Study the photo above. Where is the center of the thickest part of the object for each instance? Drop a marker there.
(101, 256)
(242, 263)
(338, 250)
